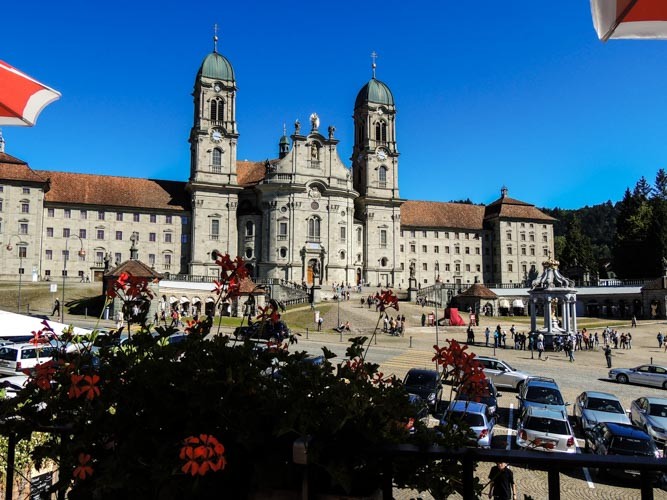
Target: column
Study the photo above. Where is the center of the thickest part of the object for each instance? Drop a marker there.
(574, 314)
(547, 314)
(566, 314)
(533, 314)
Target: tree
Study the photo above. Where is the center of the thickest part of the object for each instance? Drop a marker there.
(578, 250)
(660, 189)
(631, 252)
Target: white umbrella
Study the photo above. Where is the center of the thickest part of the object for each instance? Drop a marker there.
(630, 18)
(22, 98)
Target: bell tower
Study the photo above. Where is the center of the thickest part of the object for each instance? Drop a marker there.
(375, 177)
(213, 184)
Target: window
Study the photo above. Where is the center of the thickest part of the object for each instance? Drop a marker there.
(23, 228)
(447, 234)
(545, 252)
(26, 190)
(476, 250)
(436, 234)
(249, 228)
(119, 235)
(456, 236)
(153, 218)
(467, 249)
(359, 236)
(67, 213)
(425, 234)
(215, 229)
(383, 238)
(532, 250)
(152, 237)
(168, 219)
(436, 249)
(83, 214)
(119, 216)
(184, 238)
(50, 212)
(65, 254)
(151, 259)
(413, 248)
(343, 233)
(424, 249)
(117, 257)
(467, 267)
(314, 229)
(49, 232)
(457, 249)
(523, 225)
(100, 215)
(248, 253)
(100, 234)
(217, 110)
(402, 248)
(216, 161)
(508, 235)
(412, 234)
(0, 205)
(510, 267)
(25, 207)
(381, 131)
(509, 250)
(523, 236)
(283, 252)
(524, 268)
(167, 237)
(282, 230)
(184, 220)
(523, 250)
(167, 261)
(531, 237)
(446, 267)
(382, 176)
(458, 268)
(467, 236)
(66, 232)
(446, 249)
(478, 268)
(425, 266)
(23, 252)
(136, 217)
(49, 255)
(82, 234)
(99, 258)
(544, 237)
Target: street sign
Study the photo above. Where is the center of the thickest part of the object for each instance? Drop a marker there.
(54, 287)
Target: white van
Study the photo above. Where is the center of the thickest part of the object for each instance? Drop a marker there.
(14, 358)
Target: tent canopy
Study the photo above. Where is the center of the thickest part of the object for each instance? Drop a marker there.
(629, 18)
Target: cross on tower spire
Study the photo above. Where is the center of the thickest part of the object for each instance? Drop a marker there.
(215, 38)
(284, 129)
(373, 65)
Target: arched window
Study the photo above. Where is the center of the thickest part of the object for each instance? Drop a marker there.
(216, 160)
(381, 131)
(384, 261)
(382, 176)
(314, 229)
(249, 228)
(217, 109)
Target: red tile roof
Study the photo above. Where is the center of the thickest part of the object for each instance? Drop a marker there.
(249, 172)
(135, 268)
(112, 191)
(441, 215)
(478, 291)
(13, 169)
(506, 207)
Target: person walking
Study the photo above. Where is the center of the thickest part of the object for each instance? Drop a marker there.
(487, 332)
(634, 321)
(607, 355)
(540, 346)
(56, 308)
(502, 484)
(660, 339)
(319, 323)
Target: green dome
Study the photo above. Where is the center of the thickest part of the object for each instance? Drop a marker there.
(216, 66)
(284, 140)
(376, 92)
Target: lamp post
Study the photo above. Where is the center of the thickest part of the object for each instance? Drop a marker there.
(338, 291)
(81, 252)
(10, 248)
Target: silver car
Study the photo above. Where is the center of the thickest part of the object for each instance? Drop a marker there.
(653, 375)
(501, 373)
(651, 414)
(545, 430)
(476, 416)
(592, 407)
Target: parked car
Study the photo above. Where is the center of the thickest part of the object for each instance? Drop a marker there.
(592, 407)
(652, 375)
(545, 430)
(475, 416)
(14, 358)
(609, 438)
(489, 397)
(501, 373)
(427, 384)
(13, 384)
(420, 412)
(541, 392)
(651, 415)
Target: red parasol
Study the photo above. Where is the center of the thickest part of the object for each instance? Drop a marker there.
(630, 18)
(22, 98)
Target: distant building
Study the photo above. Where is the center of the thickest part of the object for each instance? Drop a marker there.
(303, 217)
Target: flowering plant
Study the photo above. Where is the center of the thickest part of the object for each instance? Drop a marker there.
(212, 417)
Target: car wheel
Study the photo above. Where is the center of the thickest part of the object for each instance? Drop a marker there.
(664, 384)
(519, 386)
(621, 378)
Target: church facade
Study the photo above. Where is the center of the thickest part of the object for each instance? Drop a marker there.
(304, 217)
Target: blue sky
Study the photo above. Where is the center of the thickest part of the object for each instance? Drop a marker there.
(520, 93)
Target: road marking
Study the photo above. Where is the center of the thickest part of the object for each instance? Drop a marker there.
(510, 428)
(587, 474)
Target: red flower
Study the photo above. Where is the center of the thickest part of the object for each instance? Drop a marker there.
(39, 337)
(232, 272)
(385, 300)
(464, 371)
(202, 454)
(83, 470)
(84, 385)
(42, 374)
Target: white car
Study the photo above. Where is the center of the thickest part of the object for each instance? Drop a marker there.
(545, 430)
(14, 358)
(501, 373)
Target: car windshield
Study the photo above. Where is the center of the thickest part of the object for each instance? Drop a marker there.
(541, 424)
(472, 419)
(420, 378)
(545, 395)
(633, 445)
(658, 410)
(509, 366)
(38, 352)
(606, 405)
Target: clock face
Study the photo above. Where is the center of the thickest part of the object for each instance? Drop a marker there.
(217, 87)
(381, 155)
(216, 136)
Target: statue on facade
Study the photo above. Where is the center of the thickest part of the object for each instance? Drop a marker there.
(412, 270)
(315, 122)
(331, 129)
(316, 269)
(297, 127)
